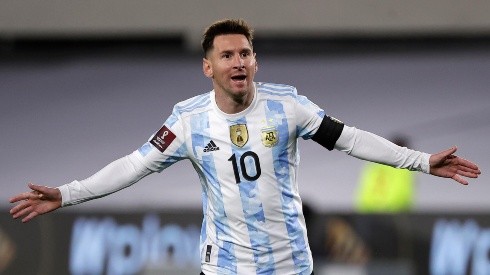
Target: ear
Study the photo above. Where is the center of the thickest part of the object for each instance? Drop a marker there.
(256, 63)
(206, 68)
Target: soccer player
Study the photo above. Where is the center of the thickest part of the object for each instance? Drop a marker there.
(241, 138)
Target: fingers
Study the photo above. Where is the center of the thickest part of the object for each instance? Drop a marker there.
(25, 196)
(27, 200)
(468, 172)
(468, 165)
(31, 216)
(451, 150)
(38, 192)
(17, 198)
(440, 159)
(463, 164)
(23, 209)
(447, 153)
(40, 200)
(19, 212)
(460, 179)
(467, 169)
(45, 192)
(17, 208)
(27, 211)
(26, 208)
(446, 164)
(38, 188)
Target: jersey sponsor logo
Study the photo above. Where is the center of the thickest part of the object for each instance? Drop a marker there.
(162, 139)
(239, 134)
(210, 147)
(269, 136)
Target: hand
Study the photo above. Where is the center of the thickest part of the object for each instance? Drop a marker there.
(39, 201)
(445, 164)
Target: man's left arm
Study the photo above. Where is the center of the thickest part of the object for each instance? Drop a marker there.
(333, 134)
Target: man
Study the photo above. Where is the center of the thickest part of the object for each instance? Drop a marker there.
(242, 140)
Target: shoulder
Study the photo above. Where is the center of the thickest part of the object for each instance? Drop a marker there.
(276, 90)
(196, 104)
(280, 92)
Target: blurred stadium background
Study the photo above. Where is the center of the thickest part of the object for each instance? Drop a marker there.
(85, 82)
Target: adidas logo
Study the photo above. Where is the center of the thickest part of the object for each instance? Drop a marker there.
(211, 147)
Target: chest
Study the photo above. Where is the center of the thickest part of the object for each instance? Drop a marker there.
(241, 149)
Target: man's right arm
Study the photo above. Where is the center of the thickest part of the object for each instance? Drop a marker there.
(115, 176)
(43, 199)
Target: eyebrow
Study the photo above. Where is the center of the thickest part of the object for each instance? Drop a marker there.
(248, 50)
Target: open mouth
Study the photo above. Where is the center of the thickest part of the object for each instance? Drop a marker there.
(239, 77)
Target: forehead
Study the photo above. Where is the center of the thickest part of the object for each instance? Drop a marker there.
(230, 42)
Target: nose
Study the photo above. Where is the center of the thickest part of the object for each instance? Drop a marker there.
(239, 62)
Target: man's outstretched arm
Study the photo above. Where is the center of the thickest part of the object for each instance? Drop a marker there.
(368, 146)
(115, 176)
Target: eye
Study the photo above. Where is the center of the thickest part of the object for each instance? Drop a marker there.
(226, 56)
(245, 54)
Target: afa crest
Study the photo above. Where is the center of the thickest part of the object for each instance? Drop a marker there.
(269, 136)
(239, 134)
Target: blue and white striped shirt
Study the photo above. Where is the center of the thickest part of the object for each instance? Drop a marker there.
(247, 164)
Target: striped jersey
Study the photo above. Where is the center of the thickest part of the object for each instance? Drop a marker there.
(247, 164)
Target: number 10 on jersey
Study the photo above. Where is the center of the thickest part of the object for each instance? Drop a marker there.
(249, 155)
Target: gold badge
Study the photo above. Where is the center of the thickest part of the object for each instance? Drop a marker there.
(269, 136)
(239, 134)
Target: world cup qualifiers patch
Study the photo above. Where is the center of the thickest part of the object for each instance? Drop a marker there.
(162, 138)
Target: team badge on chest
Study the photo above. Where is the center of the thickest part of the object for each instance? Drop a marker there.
(269, 136)
(239, 134)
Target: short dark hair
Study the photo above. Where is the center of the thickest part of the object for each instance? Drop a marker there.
(226, 26)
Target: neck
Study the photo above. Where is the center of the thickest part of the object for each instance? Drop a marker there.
(231, 105)
(234, 104)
